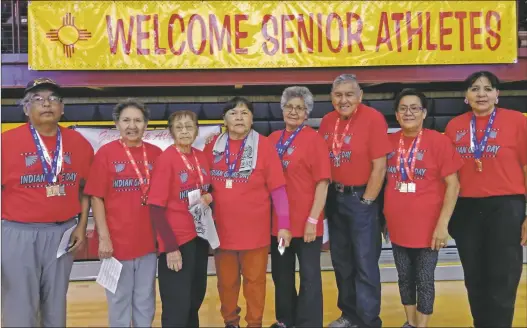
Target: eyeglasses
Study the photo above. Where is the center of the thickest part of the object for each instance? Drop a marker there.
(180, 128)
(413, 109)
(290, 108)
(41, 100)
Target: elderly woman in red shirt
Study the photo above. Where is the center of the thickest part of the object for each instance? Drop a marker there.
(420, 195)
(180, 177)
(489, 223)
(246, 174)
(118, 183)
(307, 171)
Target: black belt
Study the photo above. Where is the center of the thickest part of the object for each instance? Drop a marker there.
(339, 187)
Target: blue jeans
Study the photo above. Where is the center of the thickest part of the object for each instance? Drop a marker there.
(355, 241)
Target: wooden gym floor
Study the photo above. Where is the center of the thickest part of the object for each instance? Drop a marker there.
(87, 304)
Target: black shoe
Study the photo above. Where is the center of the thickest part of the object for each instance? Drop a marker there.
(407, 325)
(278, 325)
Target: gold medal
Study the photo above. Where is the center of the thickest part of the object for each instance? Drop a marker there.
(479, 165)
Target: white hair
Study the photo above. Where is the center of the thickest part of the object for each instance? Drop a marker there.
(298, 92)
(344, 78)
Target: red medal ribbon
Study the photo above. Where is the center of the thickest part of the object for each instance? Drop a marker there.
(402, 152)
(190, 167)
(142, 183)
(337, 144)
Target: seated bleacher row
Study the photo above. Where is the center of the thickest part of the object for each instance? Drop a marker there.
(267, 116)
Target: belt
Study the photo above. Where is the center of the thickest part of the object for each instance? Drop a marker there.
(339, 187)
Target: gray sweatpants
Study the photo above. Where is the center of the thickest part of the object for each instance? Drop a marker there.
(135, 297)
(34, 281)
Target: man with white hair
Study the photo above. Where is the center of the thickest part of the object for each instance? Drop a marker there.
(357, 139)
(43, 171)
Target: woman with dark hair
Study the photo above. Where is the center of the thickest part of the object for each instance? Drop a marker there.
(118, 183)
(420, 195)
(180, 178)
(246, 174)
(489, 222)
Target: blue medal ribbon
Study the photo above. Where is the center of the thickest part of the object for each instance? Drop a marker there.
(50, 175)
(479, 147)
(281, 147)
(232, 166)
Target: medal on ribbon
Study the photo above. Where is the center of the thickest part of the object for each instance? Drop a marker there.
(143, 183)
(406, 164)
(479, 147)
(336, 147)
(52, 167)
(282, 147)
(232, 166)
(191, 168)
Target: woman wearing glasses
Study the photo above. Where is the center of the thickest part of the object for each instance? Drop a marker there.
(303, 153)
(420, 196)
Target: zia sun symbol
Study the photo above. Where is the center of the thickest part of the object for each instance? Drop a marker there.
(68, 34)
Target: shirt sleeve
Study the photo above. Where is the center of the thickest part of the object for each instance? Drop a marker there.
(162, 181)
(319, 161)
(378, 142)
(448, 158)
(97, 182)
(207, 150)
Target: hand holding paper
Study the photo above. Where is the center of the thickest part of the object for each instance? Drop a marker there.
(109, 274)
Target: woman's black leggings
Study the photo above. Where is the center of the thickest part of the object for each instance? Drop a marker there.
(416, 268)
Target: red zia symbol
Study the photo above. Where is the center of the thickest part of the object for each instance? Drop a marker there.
(68, 34)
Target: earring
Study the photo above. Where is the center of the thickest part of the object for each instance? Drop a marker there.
(496, 101)
(466, 101)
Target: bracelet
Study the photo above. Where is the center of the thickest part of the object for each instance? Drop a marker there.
(311, 220)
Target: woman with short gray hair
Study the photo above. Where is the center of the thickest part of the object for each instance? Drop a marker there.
(306, 166)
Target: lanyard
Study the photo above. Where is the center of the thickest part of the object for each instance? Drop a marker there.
(406, 160)
(232, 167)
(190, 167)
(281, 147)
(479, 147)
(55, 165)
(337, 144)
(142, 182)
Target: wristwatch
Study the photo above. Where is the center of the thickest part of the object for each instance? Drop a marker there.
(366, 201)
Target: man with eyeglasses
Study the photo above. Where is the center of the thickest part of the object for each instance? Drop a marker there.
(43, 171)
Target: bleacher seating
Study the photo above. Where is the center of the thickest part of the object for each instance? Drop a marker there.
(267, 116)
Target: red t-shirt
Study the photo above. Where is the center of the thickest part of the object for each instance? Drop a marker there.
(113, 178)
(24, 185)
(172, 181)
(503, 158)
(365, 141)
(243, 213)
(306, 163)
(412, 217)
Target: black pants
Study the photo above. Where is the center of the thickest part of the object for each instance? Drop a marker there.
(182, 292)
(487, 232)
(416, 268)
(355, 245)
(305, 308)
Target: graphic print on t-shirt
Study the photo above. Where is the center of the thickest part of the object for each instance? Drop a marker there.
(419, 173)
(186, 187)
(33, 175)
(125, 178)
(466, 151)
(236, 177)
(345, 155)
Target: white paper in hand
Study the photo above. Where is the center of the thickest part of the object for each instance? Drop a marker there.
(64, 242)
(109, 274)
(281, 247)
(194, 198)
(325, 236)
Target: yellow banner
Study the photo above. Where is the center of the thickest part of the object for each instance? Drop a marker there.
(106, 35)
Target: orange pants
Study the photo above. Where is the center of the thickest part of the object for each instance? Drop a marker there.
(252, 264)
